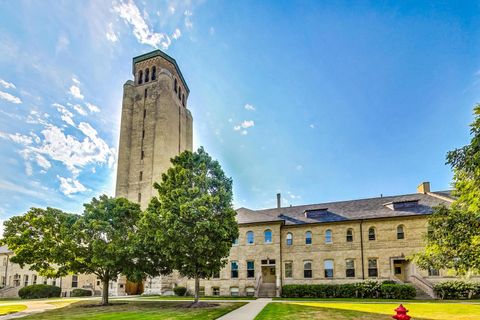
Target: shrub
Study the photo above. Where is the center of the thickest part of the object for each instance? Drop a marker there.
(80, 293)
(456, 289)
(368, 289)
(37, 291)
(397, 291)
(180, 291)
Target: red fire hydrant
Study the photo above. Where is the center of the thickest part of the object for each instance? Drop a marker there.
(401, 313)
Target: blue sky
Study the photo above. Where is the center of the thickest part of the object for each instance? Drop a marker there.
(320, 101)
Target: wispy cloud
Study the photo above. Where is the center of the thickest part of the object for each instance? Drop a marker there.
(188, 19)
(243, 126)
(249, 107)
(92, 107)
(129, 12)
(6, 84)
(80, 110)
(176, 34)
(75, 92)
(10, 98)
(110, 34)
(69, 186)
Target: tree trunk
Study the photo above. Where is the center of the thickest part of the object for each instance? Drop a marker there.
(197, 289)
(105, 291)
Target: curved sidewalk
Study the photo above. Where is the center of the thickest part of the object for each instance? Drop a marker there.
(248, 311)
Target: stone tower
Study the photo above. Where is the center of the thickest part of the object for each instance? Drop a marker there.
(155, 127)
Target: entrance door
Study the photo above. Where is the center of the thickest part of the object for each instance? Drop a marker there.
(399, 269)
(268, 274)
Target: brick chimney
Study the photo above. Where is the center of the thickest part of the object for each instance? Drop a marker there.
(423, 187)
(279, 200)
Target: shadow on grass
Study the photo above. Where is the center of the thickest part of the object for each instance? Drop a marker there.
(145, 310)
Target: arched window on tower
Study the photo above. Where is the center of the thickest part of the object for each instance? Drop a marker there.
(179, 92)
(183, 100)
(147, 75)
(154, 73)
(175, 85)
(140, 77)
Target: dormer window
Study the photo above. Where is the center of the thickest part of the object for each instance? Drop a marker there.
(315, 213)
(400, 205)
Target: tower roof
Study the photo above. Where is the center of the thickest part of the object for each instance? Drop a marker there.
(159, 53)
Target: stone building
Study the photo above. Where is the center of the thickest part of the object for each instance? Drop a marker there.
(336, 242)
(155, 126)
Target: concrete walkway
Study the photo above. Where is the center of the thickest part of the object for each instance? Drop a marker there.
(32, 307)
(248, 311)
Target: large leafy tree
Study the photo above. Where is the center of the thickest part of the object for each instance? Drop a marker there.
(453, 241)
(192, 218)
(101, 241)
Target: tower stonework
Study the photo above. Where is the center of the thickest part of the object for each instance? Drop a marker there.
(155, 126)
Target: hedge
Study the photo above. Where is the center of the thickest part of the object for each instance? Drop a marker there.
(81, 293)
(457, 290)
(180, 291)
(367, 289)
(37, 291)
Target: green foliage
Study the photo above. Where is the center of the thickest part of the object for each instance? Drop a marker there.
(180, 291)
(191, 223)
(367, 289)
(101, 241)
(457, 290)
(38, 291)
(81, 293)
(454, 240)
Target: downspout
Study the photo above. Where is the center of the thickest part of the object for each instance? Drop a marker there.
(361, 249)
(281, 262)
(6, 270)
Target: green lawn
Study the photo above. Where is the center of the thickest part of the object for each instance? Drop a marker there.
(145, 310)
(191, 298)
(11, 309)
(368, 311)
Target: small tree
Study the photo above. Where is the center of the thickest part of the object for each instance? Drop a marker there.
(100, 242)
(453, 241)
(192, 218)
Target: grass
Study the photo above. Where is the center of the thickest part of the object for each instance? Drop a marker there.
(188, 298)
(362, 300)
(145, 310)
(368, 311)
(11, 309)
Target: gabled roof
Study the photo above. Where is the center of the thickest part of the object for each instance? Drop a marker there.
(159, 53)
(362, 209)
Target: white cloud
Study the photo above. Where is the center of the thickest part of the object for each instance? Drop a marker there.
(69, 186)
(171, 9)
(76, 81)
(244, 132)
(249, 107)
(110, 34)
(244, 125)
(75, 92)
(72, 152)
(20, 138)
(212, 31)
(42, 161)
(312, 126)
(80, 110)
(129, 12)
(188, 20)
(92, 107)
(299, 167)
(176, 34)
(62, 43)
(7, 85)
(10, 98)
(66, 115)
